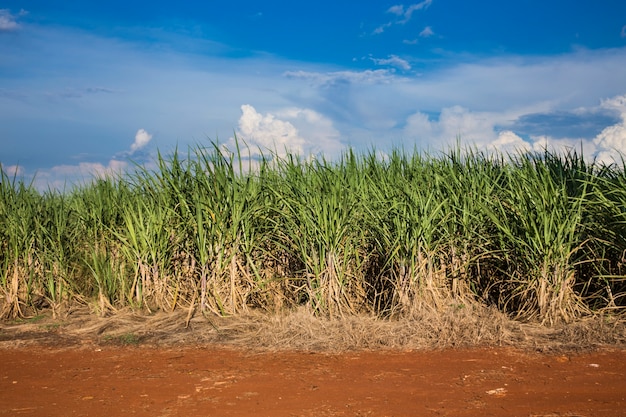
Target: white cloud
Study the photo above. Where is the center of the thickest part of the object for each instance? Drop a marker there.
(380, 29)
(427, 32)
(362, 77)
(611, 142)
(476, 127)
(623, 33)
(62, 177)
(277, 132)
(508, 142)
(414, 7)
(407, 13)
(8, 21)
(394, 61)
(584, 76)
(317, 130)
(12, 170)
(419, 125)
(268, 133)
(90, 169)
(606, 147)
(481, 129)
(397, 10)
(142, 138)
(455, 122)
(617, 103)
(541, 143)
(404, 14)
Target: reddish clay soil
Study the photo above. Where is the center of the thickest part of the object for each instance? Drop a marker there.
(213, 381)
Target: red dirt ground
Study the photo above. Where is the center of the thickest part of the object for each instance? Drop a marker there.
(213, 381)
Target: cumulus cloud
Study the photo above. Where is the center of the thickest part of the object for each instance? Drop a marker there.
(142, 138)
(478, 128)
(62, 177)
(268, 132)
(277, 132)
(509, 143)
(90, 169)
(541, 143)
(318, 131)
(482, 130)
(611, 142)
(496, 131)
(12, 170)
(394, 61)
(8, 21)
(607, 147)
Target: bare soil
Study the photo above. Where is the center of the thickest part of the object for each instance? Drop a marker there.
(107, 367)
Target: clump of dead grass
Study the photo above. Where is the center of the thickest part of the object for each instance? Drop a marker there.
(424, 329)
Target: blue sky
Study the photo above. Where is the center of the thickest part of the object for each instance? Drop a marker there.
(86, 87)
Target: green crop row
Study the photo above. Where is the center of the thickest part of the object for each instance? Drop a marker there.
(539, 236)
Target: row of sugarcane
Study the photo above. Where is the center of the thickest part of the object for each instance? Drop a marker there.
(539, 236)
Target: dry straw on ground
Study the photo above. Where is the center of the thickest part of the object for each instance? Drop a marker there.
(299, 330)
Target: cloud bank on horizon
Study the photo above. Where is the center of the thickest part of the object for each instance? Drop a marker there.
(87, 89)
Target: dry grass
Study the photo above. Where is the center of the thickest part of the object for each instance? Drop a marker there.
(455, 327)
(424, 330)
